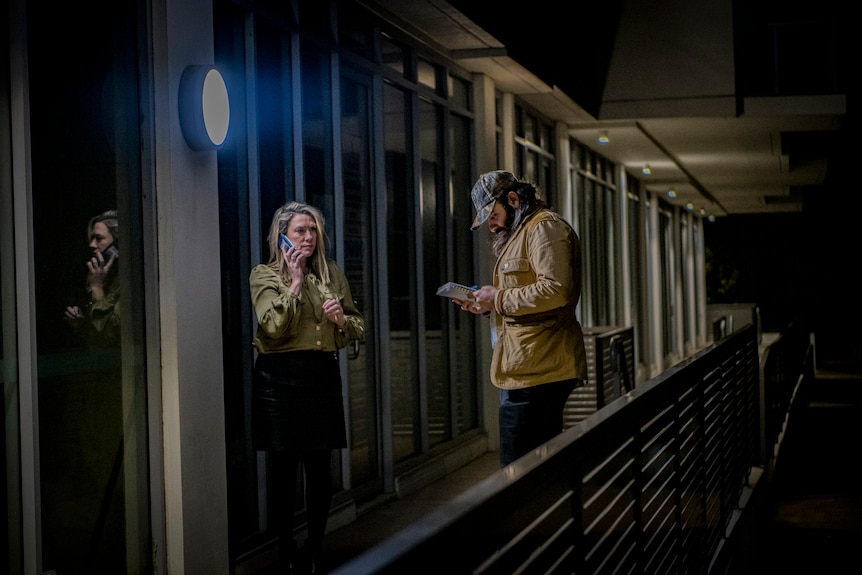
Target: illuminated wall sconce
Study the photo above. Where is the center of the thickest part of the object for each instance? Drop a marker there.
(646, 170)
(204, 107)
(603, 137)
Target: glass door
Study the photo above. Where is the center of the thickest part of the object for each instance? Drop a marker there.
(359, 263)
(87, 269)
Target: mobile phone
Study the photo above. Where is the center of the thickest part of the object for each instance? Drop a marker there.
(283, 242)
(109, 253)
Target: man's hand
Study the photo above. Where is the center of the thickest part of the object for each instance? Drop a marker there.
(482, 302)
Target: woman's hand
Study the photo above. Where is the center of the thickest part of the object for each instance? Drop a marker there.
(295, 264)
(97, 274)
(73, 313)
(332, 309)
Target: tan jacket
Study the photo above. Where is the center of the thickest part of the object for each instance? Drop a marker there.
(538, 278)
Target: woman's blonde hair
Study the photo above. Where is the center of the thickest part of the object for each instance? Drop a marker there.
(280, 223)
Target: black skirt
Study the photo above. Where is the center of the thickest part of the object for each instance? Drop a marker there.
(297, 402)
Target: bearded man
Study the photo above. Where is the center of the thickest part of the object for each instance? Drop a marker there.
(539, 356)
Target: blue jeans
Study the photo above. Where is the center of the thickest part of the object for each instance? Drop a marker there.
(531, 416)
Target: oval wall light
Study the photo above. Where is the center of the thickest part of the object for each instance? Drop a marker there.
(204, 107)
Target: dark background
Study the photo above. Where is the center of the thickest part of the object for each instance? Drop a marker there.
(803, 266)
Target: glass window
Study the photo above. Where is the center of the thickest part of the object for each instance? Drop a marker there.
(426, 73)
(241, 231)
(528, 127)
(668, 255)
(459, 92)
(433, 214)
(278, 10)
(534, 152)
(354, 30)
(596, 212)
(461, 217)
(315, 16)
(546, 137)
(317, 133)
(10, 437)
(498, 125)
(638, 269)
(89, 301)
(360, 264)
(392, 55)
(400, 226)
(274, 122)
(686, 259)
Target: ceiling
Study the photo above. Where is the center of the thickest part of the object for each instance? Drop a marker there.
(721, 155)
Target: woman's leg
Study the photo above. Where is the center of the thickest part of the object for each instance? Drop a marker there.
(318, 494)
(284, 466)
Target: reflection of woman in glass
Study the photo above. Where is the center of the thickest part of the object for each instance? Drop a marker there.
(99, 321)
(305, 313)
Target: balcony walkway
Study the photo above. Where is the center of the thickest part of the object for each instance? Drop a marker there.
(816, 521)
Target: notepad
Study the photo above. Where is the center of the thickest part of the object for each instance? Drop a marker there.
(455, 291)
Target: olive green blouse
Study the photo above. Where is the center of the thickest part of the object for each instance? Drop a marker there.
(290, 323)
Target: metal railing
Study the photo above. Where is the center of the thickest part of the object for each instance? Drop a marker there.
(784, 364)
(653, 483)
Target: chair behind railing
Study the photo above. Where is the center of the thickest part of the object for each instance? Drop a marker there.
(648, 484)
(610, 371)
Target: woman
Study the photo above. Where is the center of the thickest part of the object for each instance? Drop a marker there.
(305, 312)
(99, 320)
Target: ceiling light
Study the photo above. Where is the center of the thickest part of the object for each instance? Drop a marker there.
(646, 170)
(689, 206)
(603, 137)
(671, 193)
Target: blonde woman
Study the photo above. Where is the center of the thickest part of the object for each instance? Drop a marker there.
(99, 321)
(305, 313)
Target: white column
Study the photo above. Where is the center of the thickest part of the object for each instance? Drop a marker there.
(195, 490)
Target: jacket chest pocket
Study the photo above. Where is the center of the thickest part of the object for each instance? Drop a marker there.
(515, 272)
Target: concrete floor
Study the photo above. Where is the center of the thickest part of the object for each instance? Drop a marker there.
(816, 521)
(384, 520)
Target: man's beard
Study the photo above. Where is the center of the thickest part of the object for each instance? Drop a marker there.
(500, 239)
(501, 236)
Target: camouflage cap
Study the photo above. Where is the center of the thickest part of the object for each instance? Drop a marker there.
(486, 190)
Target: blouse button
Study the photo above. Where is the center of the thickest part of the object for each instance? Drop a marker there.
(318, 342)
(317, 327)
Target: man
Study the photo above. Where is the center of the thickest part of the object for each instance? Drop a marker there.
(539, 355)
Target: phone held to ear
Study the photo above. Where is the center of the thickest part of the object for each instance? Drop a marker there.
(109, 253)
(283, 242)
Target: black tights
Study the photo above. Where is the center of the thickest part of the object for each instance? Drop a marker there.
(318, 493)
